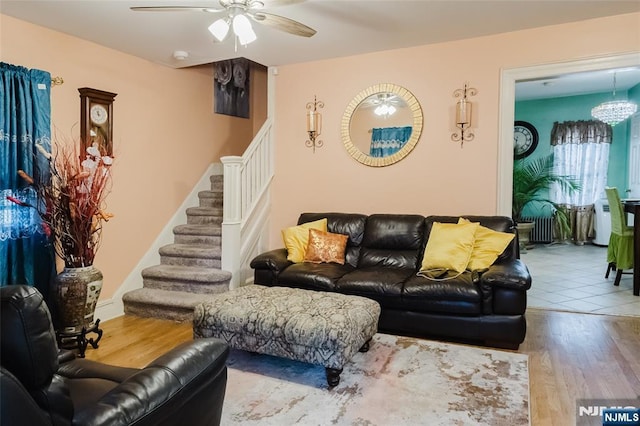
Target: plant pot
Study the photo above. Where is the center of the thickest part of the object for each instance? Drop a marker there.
(76, 295)
(524, 234)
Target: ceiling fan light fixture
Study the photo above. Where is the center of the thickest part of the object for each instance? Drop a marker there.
(219, 29)
(243, 30)
(385, 109)
(245, 39)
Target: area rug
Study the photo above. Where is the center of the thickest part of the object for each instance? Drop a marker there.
(399, 381)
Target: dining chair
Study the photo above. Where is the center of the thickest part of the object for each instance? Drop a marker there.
(620, 251)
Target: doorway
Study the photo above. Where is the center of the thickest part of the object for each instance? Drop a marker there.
(509, 78)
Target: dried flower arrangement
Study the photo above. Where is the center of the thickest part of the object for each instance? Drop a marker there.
(71, 204)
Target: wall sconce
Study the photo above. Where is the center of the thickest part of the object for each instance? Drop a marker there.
(463, 115)
(314, 124)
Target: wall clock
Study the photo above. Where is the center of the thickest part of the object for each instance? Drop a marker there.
(525, 139)
(96, 119)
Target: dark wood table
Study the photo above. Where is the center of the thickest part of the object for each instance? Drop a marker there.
(633, 206)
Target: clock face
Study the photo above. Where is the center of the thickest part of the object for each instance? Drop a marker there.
(525, 139)
(99, 114)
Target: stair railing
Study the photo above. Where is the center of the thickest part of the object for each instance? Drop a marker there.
(246, 204)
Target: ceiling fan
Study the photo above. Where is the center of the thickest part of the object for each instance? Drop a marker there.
(236, 16)
(383, 104)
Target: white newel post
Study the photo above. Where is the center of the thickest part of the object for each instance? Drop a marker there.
(232, 217)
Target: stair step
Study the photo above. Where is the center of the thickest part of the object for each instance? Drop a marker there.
(202, 230)
(189, 271)
(204, 216)
(216, 182)
(210, 235)
(190, 250)
(205, 211)
(203, 220)
(202, 240)
(186, 278)
(156, 303)
(212, 193)
(210, 199)
(190, 255)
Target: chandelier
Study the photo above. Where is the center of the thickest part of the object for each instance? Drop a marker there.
(613, 112)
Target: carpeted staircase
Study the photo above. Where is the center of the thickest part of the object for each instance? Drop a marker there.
(189, 269)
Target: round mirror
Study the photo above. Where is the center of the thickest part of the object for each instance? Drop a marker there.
(381, 125)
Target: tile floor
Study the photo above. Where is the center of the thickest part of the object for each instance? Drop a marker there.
(567, 277)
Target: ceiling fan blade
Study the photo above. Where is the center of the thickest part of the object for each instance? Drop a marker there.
(275, 3)
(175, 9)
(283, 24)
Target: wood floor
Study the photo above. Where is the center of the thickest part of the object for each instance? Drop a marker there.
(571, 356)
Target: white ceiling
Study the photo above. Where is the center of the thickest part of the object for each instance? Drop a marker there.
(344, 28)
(578, 84)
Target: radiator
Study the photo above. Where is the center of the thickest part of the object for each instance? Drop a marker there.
(543, 230)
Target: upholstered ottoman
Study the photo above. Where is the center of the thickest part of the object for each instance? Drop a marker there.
(310, 326)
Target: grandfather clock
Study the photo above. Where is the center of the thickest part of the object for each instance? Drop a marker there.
(96, 119)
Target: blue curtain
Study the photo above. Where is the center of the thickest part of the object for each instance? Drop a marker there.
(26, 255)
(388, 140)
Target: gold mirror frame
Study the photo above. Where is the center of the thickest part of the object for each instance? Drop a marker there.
(414, 107)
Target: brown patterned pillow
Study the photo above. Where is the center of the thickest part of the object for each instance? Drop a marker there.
(325, 247)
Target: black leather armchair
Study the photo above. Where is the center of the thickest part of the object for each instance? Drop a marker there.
(186, 386)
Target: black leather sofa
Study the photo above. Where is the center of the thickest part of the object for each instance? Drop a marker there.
(384, 254)
(41, 386)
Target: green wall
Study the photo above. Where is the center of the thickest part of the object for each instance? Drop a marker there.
(634, 95)
(544, 112)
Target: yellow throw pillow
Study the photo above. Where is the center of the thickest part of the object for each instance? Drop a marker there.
(488, 246)
(296, 238)
(325, 247)
(449, 247)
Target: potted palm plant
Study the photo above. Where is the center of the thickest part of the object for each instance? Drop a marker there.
(531, 182)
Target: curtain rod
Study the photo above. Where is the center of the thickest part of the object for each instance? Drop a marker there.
(56, 81)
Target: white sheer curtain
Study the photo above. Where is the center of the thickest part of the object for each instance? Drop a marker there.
(581, 151)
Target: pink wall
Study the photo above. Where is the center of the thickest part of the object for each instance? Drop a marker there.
(235, 133)
(165, 131)
(166, 134)
(258, 105)
(438, 177)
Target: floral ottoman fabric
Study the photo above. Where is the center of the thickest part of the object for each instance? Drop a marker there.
(311, 326)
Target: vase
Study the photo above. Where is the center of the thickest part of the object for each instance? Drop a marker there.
(76, 295)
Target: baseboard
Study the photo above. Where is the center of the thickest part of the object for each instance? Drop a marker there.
(108, 309)
(111, 308)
